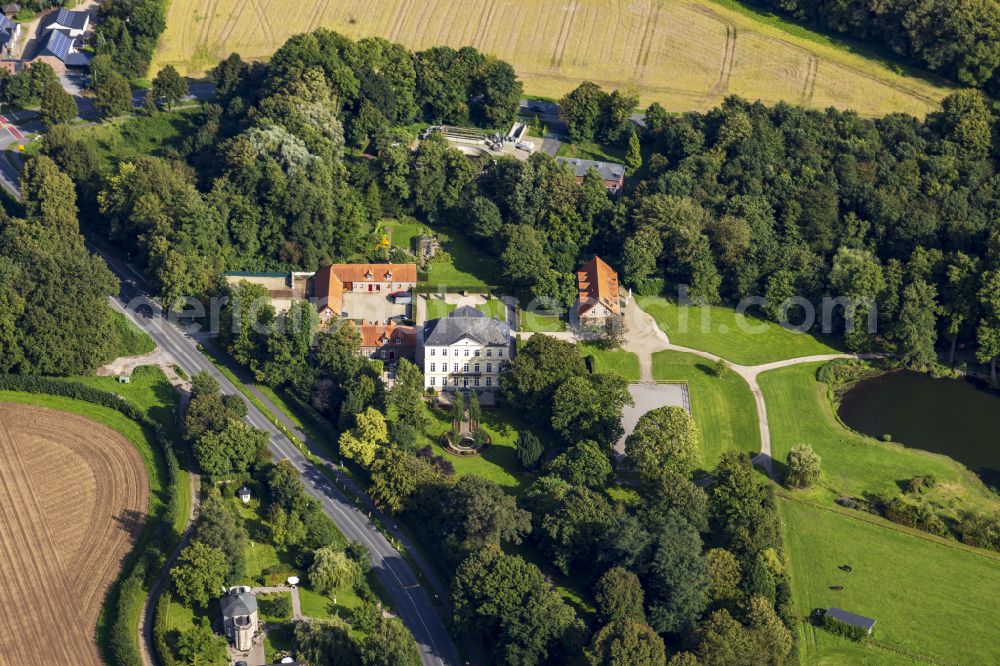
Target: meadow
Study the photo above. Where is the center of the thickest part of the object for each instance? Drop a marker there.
(799, 412)
(686, 54)
(932, 602)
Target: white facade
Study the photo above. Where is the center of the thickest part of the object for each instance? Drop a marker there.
(464, 365)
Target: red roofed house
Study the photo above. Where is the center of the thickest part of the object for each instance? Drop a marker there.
(331, 282)
(388, 342)
(598, 285)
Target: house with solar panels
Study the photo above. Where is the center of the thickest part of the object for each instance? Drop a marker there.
(62, 44)
(72, 23)
(9, 33)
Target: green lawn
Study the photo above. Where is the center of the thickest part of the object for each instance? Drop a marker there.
(147, 389)
(498, 462)
(437, 308)
(799, 412)
(590, 150)
(540, 323)
(929, 599)
(467, 266)
(721, 331)
(617, 361)
(494, 307)
(722, 407)
(401, 233)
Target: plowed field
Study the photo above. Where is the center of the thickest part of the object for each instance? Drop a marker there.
(73, 497)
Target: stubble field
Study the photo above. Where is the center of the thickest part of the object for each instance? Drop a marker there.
(686, 54)
(73, 497)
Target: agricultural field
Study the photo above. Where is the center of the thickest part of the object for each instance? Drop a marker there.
(73, 499)
(686, 54)
(933, 602)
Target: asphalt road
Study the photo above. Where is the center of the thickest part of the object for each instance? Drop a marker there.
(411, 601)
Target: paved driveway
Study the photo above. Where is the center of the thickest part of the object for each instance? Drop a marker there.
(371, 307)
(647, 398)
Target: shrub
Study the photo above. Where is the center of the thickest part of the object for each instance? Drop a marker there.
(921, 483)
(841, 628)
(275, 605)
(843, 371)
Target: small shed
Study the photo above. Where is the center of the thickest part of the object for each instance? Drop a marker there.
(244, 494)
(852, 619)
(11, 9)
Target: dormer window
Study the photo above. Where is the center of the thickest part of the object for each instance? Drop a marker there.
(388, 276)
(368, 275)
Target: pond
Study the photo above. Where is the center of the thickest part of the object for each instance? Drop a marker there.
(948, 416)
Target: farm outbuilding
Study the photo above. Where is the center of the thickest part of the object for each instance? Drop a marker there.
(852, 619)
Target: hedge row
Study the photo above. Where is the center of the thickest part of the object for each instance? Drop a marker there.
(125, 601)
(160, 631)
(841, 628)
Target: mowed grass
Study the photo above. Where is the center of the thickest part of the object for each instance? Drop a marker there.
(464, 265)
(401, 233)
(799, 412)
(541, 323)
(437, 308)
(722, 407)
(132, 340)
(740, 339)
(499, 461)
(686, 54)
(494, 307)
(932, 601)
(616, 361)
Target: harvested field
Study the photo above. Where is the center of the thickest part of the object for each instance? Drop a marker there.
(73, 497)
(686, 54)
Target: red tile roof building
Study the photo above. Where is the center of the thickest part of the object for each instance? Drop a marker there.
(388, 342)
(598, 286)
(331, 282)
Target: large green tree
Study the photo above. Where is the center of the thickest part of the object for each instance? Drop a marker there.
(664, 438)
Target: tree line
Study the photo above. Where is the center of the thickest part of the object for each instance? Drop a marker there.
(959, 39)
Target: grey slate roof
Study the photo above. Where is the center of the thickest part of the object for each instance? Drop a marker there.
(57, 44)
(71, 19)
(234, 605)
(607, 170)
(851, 618)
(466, 322)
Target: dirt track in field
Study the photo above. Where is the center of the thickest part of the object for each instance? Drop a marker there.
(73, 496)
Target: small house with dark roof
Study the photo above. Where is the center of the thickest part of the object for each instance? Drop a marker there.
(852, 619)
(612, 173)
(72, 23)
(240, 618)
(465, 350)
(11, 9)
(599, 296)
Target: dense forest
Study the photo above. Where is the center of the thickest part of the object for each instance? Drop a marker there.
(959, 39)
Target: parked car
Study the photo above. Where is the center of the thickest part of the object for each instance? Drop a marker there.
(397, 294)
(403, 300)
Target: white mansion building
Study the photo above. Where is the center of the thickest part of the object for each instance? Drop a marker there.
(464, 350)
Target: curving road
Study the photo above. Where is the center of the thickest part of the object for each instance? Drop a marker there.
(412, 603)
